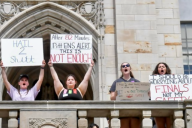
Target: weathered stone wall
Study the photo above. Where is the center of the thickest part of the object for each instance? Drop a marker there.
(108, 48)
(148, 32)
(143, 33)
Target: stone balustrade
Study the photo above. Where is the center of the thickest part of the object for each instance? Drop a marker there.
(50, 112)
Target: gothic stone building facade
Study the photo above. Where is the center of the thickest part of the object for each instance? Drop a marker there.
(141, 32)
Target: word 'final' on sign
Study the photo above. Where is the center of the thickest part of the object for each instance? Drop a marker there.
(170, 87)
(20, 52)
(67, 48)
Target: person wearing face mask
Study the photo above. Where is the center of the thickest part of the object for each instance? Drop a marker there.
(127, 76)
(70, 93)
(23, 93)
(162, 69)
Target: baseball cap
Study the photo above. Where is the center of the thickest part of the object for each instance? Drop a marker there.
(23, 75)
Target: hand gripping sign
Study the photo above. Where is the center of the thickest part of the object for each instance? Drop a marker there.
(22, 52)
(170, 87)
(66, 48)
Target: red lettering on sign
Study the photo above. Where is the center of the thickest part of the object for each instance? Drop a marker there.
(158, 98)
(129, 96)
(79, 58)
(157, 88)
(68, 37)
(186, 88)
(171, 88)
(57, 57)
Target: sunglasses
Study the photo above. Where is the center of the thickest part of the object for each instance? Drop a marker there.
(127, 65)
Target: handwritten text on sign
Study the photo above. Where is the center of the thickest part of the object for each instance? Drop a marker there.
(170, 87)
(71, 48)
(132, 90)
(20, 52)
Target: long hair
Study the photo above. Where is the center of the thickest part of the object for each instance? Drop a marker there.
(168, 70)
(131, 74)
(74, 79)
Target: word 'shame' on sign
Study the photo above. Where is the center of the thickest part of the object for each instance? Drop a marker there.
(170, 87)
(20, 52)
(71, 48)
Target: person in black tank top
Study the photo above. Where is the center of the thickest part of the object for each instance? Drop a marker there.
(70, 93)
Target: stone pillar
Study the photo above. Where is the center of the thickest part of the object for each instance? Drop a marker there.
(13, 122)
(115, 122)
(147, 122)
(82, 121)
(188, 121)
(178, 122)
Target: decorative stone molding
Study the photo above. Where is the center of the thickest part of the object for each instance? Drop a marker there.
(91, 11)
(9, 9)
(39, 122)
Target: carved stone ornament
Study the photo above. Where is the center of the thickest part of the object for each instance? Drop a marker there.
(48, 122)
(92, 11)
(9, 9)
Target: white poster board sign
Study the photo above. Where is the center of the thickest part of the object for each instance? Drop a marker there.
(67, 48)
(22, 52)
(170, 87)
(132, 90)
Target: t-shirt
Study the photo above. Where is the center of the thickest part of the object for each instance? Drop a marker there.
(23, 96)
(113, 87)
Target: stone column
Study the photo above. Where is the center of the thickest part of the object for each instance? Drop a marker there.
(147, 122)
(82, 122)
(115, 122)
(178, 122)
(13, 122)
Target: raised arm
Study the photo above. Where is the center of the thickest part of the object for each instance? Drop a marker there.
(41, 76)
(5, 81)
(57, 84)
(83, 85)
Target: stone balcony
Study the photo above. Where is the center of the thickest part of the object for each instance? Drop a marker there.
(61, 114)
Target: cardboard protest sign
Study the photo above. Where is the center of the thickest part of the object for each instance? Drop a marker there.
(22, 52)
(132, 90)
(170, 87)
(71, 48)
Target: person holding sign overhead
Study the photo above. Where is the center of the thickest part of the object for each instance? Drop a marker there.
(70, 93)
(162, 69)
(23, 93)
(127, 76)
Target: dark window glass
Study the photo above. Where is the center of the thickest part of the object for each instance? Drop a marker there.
(186, 35)
(186, 72)
(186, 67)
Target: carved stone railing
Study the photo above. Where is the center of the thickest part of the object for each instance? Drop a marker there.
(111, 109)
